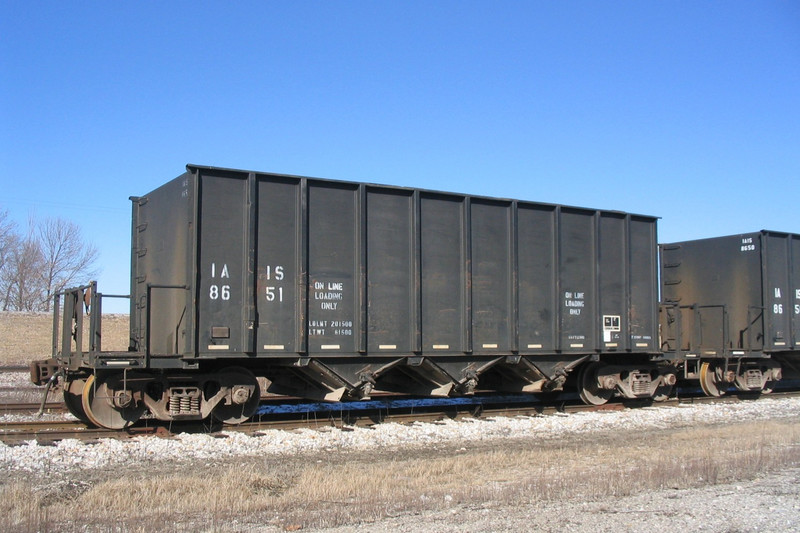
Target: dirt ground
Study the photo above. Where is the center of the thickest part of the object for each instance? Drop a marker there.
(768, 503)
(28, 336)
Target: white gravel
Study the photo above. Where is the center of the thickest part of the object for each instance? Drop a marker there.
(15, 379)
(73, 454)
(4, 419)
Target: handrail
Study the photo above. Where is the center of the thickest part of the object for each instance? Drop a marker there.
(72, 319)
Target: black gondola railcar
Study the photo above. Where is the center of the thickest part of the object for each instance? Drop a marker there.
(731, 308)
(330, 289)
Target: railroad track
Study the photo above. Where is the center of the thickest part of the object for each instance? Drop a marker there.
(30, 408)
(14, 368)
(49, 432)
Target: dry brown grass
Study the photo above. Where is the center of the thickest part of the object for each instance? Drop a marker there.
(350, 488)
(28, 336)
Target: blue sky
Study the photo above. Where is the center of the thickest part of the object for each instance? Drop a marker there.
(689, 111)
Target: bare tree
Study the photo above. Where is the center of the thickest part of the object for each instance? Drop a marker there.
(22, 282)
(9, 240)
(8, 237)
(66, 256)
(52, 256)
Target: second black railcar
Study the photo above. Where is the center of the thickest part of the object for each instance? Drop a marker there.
(731, 308)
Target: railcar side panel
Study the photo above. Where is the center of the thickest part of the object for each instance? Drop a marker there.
(538, 280)
(778, 290)
(281, 271)
(641, 262)
(443, 271)
(578, 270)
(223, 296)
(334, 268)
(614, 285)
(492, 269)
(392, 290)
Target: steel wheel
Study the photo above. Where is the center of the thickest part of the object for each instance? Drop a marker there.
(107, 404)
(244, 387)
(73, 399)
(590, 392)
(663, 391)
(708, 380)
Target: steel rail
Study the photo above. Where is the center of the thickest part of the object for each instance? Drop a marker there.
(49, 407)
(14, 368)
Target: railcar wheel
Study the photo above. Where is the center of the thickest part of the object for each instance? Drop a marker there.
(107, 404)
(590, 392)
(73, 399)
(245, 396)
(708, 380)
(664, 390)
